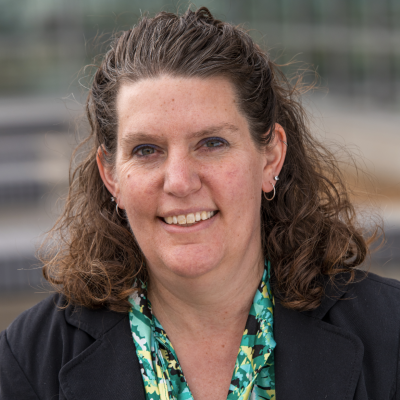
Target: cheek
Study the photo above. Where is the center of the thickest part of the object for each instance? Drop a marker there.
(242, 182)
(239, 199)
(138, 192)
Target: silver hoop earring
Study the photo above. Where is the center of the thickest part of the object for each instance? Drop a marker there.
(266, 198)
(116, 207)
(284, 143)
(273, 196)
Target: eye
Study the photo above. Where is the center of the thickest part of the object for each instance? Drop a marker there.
(144, 150)
(214, 142)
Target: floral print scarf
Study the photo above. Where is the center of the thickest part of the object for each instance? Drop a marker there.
(253, 376)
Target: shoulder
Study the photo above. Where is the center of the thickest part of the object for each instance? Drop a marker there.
(53, 326)
(42, 326)
(373, 280)
(43, 339)
(38, 317)
(30, 349)
(36, 345)
(370, 310)
(372, 290)
(36, 324)
(44, 329)
(369, 306)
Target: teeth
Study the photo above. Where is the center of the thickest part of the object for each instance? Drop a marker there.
(181, 220)
(191, 218)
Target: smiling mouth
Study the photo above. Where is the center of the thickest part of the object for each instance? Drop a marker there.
(189, 219)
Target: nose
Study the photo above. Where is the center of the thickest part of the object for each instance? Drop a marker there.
(181, 177)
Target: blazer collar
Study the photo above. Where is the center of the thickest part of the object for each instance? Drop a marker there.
(107, 369)
(314, 359)
(94, 322)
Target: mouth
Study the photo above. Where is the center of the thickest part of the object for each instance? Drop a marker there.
(189, 219)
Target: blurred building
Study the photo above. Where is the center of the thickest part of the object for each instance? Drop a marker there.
(354, 45)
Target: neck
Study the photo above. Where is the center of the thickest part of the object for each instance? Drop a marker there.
(211, 303)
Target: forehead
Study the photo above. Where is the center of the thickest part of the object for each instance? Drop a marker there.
(167, 103)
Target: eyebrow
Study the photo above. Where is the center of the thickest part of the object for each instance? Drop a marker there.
(131, 137)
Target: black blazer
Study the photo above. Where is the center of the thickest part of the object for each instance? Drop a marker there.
(348, 348)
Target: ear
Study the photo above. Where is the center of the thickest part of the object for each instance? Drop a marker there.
(108, 175)
(274, 158)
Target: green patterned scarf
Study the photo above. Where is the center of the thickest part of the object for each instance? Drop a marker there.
(253, 377)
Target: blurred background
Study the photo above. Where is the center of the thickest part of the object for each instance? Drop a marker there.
(354, 45)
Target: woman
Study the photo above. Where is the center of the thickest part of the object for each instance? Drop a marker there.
(207, 244)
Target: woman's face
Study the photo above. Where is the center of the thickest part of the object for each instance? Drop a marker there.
(185, 151)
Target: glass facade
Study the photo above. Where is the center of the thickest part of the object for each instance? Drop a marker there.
(354, 45)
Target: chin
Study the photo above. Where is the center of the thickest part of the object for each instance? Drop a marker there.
(191, 266)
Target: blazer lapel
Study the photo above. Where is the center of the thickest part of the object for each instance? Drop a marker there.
(314, 359)
(109, 368)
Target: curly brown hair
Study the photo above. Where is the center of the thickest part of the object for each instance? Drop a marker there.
(309, 229)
